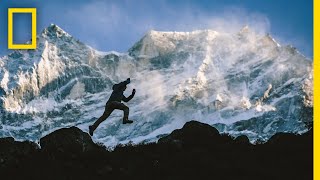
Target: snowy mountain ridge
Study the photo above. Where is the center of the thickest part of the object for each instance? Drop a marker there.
(240, 83)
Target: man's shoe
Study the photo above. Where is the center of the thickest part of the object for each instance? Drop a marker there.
(127, 121)
(91, 130)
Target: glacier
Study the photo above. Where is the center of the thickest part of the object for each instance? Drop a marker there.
(243, 84)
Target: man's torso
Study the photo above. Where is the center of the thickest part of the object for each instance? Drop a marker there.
(116, 96)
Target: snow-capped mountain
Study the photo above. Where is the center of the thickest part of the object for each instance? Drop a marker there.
(241, 83)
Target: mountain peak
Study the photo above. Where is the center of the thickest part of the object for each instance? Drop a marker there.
(54, 31)
(245, 29)
(178, 34)
(155, 43)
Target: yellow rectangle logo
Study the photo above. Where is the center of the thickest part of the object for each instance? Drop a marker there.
(33, 44)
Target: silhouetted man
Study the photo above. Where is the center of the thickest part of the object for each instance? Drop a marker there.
(113, 103)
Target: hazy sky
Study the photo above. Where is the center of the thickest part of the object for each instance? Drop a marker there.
(117, 25)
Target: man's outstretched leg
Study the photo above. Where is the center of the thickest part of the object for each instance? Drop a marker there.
(108, 110)
(125, 109)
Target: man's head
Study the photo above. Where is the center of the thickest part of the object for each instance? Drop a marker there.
(128, 81)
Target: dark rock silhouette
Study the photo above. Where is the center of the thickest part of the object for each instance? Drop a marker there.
(67, 140)
(197, 151)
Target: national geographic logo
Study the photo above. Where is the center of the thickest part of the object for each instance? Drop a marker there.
(33, 44)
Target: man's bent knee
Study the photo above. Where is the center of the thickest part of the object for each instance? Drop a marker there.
(126, 109)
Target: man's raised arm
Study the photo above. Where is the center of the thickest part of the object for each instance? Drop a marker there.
(126, 99)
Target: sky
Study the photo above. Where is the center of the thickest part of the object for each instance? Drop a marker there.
(115, 25)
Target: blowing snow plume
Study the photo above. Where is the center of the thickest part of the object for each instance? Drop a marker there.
(242, 83)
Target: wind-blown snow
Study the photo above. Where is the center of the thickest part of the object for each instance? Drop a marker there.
(240, 83)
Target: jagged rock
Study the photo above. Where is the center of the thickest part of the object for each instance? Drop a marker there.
(12, 152)
(242, 140)
(202, 153)
(195, 133)
(67, 140)
(291, 140)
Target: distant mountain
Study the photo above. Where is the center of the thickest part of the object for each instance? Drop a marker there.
(243, 84)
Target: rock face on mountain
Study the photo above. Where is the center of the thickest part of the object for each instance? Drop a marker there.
(195, 151)
(242, 84)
